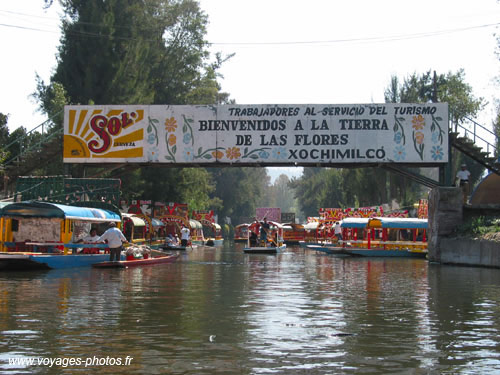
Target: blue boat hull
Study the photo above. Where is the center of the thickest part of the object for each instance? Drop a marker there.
(332, 250)
(385, 253)
(50, 261)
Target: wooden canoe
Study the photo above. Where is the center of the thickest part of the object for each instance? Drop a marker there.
(136, 262)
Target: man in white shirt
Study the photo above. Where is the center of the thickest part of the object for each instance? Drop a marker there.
(115, 239)
(338, 231)
(463, 176)
(185, 235)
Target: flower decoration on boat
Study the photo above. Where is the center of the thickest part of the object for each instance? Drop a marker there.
(437, 153)
(399, 153)
(152, 137)
(418, 124)
(233, 153)
(170, 138)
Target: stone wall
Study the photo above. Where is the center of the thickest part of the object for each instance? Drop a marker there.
(445, 214)
(471, 252)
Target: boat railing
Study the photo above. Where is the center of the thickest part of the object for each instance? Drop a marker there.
(387, 245)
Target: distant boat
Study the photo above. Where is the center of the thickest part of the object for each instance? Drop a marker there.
(241, 232)
(275, 243)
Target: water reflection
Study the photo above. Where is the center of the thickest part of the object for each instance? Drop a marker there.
(217, 310)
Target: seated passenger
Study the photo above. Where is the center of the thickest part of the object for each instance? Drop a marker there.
(253, 239)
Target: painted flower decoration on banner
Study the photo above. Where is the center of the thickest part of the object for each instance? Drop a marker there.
(152, 139)
(418, 124)
(170, 138)
(233, 153)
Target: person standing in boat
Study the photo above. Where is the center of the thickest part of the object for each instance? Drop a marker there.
(185, 232)
(264, 230)
(115, 239)
(338, 231)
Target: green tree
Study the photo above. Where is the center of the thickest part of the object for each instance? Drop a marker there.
(281, 194)
(129, 52)
(241, 191)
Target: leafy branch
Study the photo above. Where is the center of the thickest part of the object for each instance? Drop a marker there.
(205, 154)
(434, 125)
(152, 127)
(186, 127)
(399, 126)
(251, 154)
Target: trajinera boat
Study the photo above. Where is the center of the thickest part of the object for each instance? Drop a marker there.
(41, 235)
(274, 244)
(384, 237)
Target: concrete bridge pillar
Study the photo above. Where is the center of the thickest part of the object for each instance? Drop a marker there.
(445, 214)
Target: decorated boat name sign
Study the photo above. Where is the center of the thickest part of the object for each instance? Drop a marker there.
(257, 134)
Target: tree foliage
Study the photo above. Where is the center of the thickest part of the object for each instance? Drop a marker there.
(374, 186)
(130, 52)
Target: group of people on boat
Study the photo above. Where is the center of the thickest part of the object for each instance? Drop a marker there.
(172, 240)
(261, 234)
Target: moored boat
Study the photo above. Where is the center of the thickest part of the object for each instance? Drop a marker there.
(137, 262)
(241, 232)
(167, 247)
(384, 237)
(211, 231)
(46, 235)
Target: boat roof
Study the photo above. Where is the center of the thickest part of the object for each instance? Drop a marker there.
(398, 222)
(384, 222)
(157, 223)
(136, 220)
(311, 225)
(55, 210)
(354, 222)
(195, 224)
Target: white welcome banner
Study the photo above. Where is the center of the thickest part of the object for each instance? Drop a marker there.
(257, 134)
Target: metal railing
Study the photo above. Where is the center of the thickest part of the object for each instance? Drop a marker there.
(44, 137)
(480, 135)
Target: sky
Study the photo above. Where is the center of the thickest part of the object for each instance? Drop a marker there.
(290, 51)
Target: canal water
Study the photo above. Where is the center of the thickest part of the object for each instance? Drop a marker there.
(220, 311)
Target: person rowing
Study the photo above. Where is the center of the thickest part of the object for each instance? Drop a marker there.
(264, 230)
